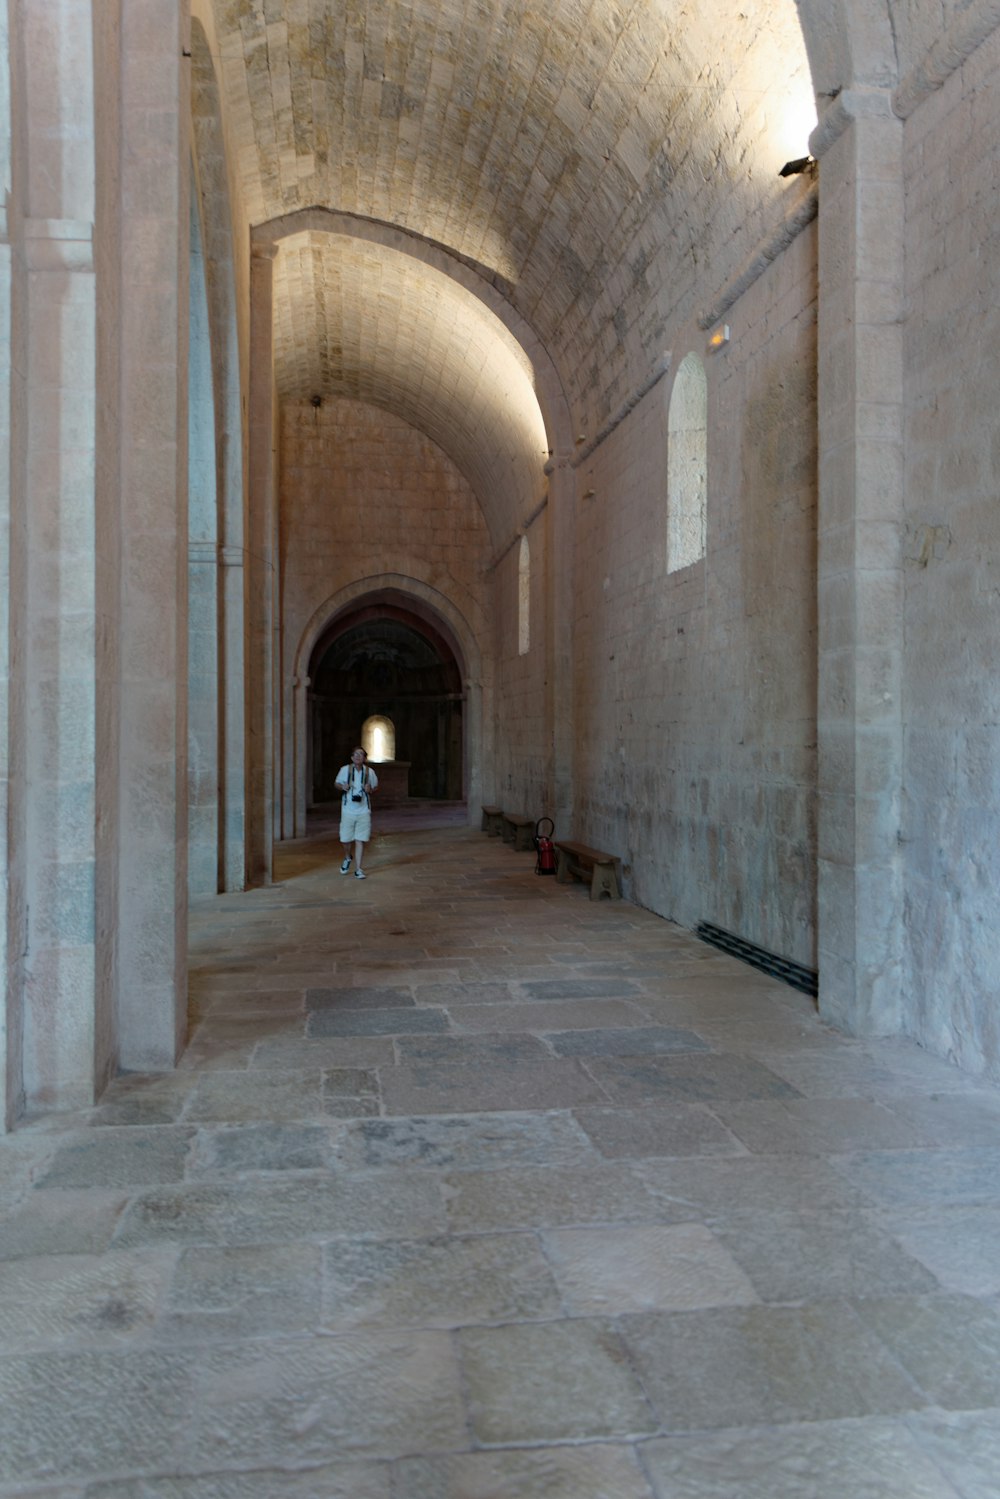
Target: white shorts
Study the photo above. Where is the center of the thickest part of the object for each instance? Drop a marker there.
(355, 822)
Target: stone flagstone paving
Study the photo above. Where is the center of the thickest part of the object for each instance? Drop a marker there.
(467, 1187)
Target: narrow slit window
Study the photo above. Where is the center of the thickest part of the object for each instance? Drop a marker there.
(687, 465)
(378, 738)
(523, 597)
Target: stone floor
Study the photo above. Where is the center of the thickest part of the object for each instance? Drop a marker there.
(468, 1188)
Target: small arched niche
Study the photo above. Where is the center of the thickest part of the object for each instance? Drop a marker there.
(378, 738)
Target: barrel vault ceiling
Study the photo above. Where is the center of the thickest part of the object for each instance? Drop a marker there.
(599, 160)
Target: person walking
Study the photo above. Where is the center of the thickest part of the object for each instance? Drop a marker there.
(356, 784)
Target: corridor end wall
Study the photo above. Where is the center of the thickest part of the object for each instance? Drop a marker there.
(362, 494)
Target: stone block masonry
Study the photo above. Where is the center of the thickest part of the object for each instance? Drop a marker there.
(950, 825)
(695, 690)
(363, 494)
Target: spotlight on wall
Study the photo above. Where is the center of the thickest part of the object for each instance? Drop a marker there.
(719, 339)
(799, 165)
(317, 401)
(588, 494)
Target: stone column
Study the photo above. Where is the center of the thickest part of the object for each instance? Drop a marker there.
(559, 545)
(53, 647)
(301, 756)
(859, 143)
(60, 645)
(232, 687)
(281, 715)
(155, 170)
(479, 757)
(260, 561)
(221, 307)
(287, 693)
(203, 714)
(203, 582)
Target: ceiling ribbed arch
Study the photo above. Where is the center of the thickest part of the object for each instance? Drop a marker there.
(604, 160)
(854, 42)
(358, 319)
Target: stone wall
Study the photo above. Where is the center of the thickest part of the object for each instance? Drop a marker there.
(950, 835)
(919, 28)
(364, 496)
(695, 691)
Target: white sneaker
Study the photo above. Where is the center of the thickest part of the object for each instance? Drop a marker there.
(345, 867)
(359, 874)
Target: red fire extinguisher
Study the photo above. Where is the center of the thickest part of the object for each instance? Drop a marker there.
(546, 860)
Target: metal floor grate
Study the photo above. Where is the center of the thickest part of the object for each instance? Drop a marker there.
(805, 979)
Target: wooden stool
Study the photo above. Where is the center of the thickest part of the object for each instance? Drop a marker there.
(493, 821)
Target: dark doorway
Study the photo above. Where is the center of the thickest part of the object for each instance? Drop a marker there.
(384, 663)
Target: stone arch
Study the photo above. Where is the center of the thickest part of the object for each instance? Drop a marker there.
(849, 43)
(442, 617)
(288, 742)
(483, 283)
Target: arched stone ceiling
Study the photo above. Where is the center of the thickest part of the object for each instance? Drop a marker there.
(384, 639)
(853, 42)
(357, 319)
(604, 158)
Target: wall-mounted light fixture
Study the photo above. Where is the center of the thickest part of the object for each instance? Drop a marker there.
(799, 165)
(588, 494)
(719, 339)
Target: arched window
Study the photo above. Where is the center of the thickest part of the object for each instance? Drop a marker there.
(378, 738)
(523, 597)
(687, 465)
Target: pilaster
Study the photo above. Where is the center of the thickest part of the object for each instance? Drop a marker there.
(204, 706)
(860, 565)
(55, 644)
(232, 686)
(559, 555)
(301, 755)
(155, 184)
(260, 575)
(11, 916)
(11, 907)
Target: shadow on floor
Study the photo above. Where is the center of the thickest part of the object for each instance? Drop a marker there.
(467, 1185)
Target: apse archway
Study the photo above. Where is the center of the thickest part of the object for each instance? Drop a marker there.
(390, 648)
(382, 664)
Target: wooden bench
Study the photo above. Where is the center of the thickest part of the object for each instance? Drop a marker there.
(604, 871)
(517, 831)
(493, 821)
